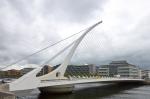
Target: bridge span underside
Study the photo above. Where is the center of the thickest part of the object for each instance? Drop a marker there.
(67, 86)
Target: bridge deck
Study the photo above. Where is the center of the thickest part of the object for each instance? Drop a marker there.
(89, 80)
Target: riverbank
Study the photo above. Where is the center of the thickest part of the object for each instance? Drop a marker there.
(4, 93)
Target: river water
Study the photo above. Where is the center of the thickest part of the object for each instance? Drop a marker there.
(95, 91)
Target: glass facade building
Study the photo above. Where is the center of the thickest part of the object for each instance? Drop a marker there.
(81, 70)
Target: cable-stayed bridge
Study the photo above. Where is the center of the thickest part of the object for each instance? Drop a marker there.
(56, 77)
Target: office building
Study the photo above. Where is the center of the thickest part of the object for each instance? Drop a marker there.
(10, 73)
(81, 70)
(45, 70)
(103, 70)
(25, 70)
(146, 74)
(119, 68)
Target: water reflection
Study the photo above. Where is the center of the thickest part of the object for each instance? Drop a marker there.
(90, 93)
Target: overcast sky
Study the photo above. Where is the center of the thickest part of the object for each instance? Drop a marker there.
(28, 25)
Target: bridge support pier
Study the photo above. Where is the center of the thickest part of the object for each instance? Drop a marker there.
(57, 89)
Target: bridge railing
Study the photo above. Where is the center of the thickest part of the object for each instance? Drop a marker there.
(99, 77)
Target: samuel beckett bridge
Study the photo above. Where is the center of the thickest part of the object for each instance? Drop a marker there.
(55, 80)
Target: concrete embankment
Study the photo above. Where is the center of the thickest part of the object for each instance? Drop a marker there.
(147, 82)
(4, 93)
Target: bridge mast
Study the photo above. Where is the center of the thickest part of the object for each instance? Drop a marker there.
(30, 81)
(59, 72)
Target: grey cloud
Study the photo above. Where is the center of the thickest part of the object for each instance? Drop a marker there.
(18, 29)
(73, 10)
(23, 8)
(70, 10)
(26, 26)
(135, 48)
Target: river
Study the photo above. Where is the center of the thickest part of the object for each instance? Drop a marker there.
(95, 91)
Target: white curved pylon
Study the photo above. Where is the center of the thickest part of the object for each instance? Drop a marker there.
(30, 81)
(58, 73)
